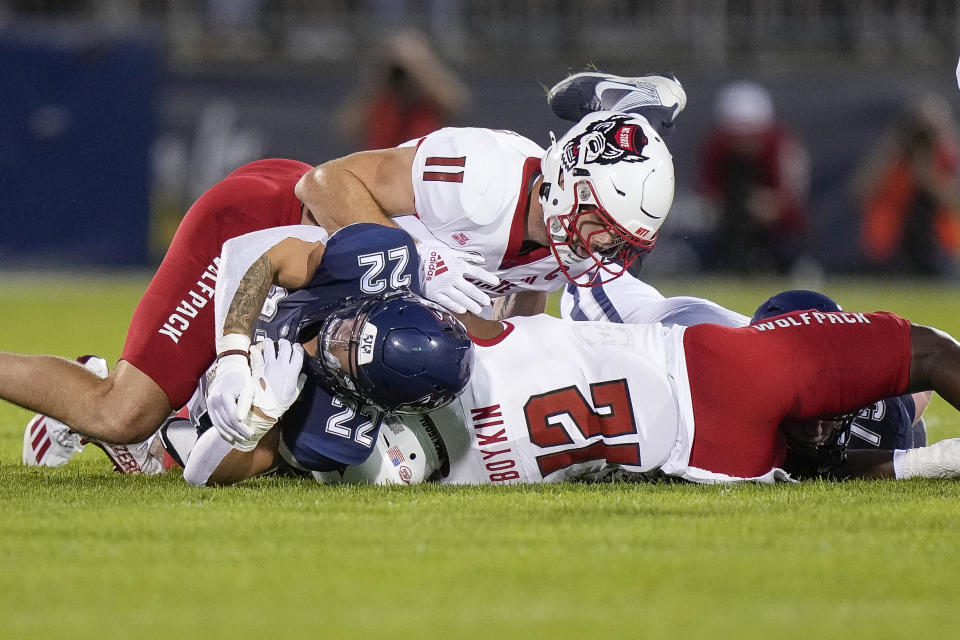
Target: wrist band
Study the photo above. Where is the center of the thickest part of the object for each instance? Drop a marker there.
(234, 352)
(233, 343)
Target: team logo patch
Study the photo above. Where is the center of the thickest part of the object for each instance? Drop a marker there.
(368, 338)
(606, 142)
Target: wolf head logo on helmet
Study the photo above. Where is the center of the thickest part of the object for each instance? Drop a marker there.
(607, 188)
(616, 139)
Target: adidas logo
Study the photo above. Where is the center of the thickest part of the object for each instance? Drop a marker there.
(40, 439)
(435, 266)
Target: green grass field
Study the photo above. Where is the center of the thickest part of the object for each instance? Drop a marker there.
(86, 553)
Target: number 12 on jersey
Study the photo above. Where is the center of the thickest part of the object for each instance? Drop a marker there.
(549, 416)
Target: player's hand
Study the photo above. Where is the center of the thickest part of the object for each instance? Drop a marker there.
(443, 277)
(231, 390)
(277, 381)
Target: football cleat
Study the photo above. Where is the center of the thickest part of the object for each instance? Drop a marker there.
(659, 99)
(142, 458)
(50, 443)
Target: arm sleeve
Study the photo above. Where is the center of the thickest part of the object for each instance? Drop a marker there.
(206, 456)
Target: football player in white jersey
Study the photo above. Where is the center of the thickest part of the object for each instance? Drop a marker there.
(494, 213)
(586, 207)
(627, 299)
(554, 400)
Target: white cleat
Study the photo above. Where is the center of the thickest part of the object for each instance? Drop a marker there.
(50, 443)
(142, 458)
(660, 99)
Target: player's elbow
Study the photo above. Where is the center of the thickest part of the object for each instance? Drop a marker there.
(935, 359)
(307, 184)
(195, 476)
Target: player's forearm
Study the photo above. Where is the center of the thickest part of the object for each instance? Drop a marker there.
(524, 303)
(238, 466)
(869, 464)
(248, 300)
(214, 462)
(293, 251)
(939, 460)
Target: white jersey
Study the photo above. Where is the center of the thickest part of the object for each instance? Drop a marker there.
(554, 400)
(472, 188)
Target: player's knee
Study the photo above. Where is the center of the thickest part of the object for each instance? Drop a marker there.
(123, 418)
(119, 426)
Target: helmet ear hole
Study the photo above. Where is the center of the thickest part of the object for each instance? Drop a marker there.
(544, 190)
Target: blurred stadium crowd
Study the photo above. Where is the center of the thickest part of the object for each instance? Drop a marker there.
(801, 113)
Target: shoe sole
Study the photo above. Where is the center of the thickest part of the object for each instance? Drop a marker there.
(577, 101)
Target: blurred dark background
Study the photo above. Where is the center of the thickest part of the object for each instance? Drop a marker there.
(116, 114)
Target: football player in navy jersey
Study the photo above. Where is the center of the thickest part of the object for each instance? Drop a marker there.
(894, 423)
(393, 336)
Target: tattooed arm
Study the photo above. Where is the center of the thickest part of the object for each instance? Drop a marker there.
(290, 264)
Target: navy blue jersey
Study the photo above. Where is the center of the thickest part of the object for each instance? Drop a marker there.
(324, 432)
(887, 424)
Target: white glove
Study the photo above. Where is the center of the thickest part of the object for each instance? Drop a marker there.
(277, 381)
(442, 277)
(938, 460)
(231, 390)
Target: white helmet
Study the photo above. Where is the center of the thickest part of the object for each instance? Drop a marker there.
(616, 166)
(409, 450)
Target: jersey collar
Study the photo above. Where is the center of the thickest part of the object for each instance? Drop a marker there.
(507, 329)
(513, 257)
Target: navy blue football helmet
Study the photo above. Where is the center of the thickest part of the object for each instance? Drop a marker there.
(821, 458)
(396, 351)
(794, 300)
